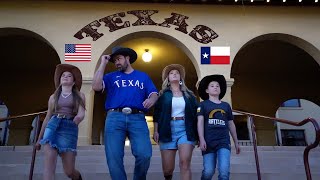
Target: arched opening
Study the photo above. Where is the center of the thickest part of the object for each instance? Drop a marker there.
(269, 70)
(296, 110)
(26, 74)
(165, 50)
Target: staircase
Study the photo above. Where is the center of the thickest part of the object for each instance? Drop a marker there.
(276, 163)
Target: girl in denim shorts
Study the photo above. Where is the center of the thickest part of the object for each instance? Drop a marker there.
(59, 131)
(175, 122)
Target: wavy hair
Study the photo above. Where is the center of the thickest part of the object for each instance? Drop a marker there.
(184, 89)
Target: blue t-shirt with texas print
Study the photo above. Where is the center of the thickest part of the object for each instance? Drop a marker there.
(127, 90)
(216, 124)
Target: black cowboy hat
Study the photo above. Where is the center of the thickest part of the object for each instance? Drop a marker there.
(204, 83)
(125, 52)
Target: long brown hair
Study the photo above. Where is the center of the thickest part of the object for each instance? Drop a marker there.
(77, 100)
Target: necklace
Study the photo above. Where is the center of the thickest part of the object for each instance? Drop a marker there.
(176, 92)
(65, 95)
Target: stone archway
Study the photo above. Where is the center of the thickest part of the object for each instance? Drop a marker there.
(270, 69)
(297, 110)
(26, 74)
(165, 49)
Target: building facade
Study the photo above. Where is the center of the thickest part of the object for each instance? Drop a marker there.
(274, 53)
(297, 110)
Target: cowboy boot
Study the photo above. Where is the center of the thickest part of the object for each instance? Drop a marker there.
(168, 177)
(80, 178)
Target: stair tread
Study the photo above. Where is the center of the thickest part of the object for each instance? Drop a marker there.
(15, 163)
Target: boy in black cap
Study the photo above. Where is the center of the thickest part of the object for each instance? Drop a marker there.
(215, 120)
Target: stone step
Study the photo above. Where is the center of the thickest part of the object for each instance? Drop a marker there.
(275, 163)
(176, 176)
(155, 148)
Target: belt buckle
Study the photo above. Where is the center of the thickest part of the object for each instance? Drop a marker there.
(127, 110)
(61, 116)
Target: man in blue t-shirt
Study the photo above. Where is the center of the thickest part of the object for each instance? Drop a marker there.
(130, 93)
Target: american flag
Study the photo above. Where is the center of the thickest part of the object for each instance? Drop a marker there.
(77, 52)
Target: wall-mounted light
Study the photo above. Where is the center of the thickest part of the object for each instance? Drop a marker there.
(147, 56)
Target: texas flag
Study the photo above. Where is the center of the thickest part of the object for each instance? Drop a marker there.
(215, 55)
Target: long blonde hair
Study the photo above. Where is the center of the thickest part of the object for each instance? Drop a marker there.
(184, 89)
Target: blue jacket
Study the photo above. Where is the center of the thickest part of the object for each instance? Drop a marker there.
(162, 115)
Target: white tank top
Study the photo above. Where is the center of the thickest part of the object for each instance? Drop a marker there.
(178, 106)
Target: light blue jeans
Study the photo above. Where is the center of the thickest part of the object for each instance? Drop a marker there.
(210, 161)
(179, 136)
(118, 126)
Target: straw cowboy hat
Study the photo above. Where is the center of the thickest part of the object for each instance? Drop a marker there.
(167, 69)
(125, 52)
(204, 83)
(60, 68)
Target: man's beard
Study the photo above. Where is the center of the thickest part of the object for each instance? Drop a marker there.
(122, 67)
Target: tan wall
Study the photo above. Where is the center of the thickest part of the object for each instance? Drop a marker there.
(307, 109)
(57, 22)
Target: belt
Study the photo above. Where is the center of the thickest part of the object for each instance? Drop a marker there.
(61, 116)
(127, 110)
(177, 118)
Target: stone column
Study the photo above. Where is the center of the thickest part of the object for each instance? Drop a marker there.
(227, 98)
(85, 129)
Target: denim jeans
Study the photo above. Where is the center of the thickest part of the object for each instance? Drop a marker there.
(178, 134)
(118, 126)
(61, 134)
(209, 164)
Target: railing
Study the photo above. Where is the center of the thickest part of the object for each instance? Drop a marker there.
(301, 123)
(245, 143)
(35, 138)
(254, 139)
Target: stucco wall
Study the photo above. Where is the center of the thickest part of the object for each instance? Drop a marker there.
(307, 109)
(57, 22)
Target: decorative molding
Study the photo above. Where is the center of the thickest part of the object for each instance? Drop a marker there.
(87, 80)
(230, 82)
